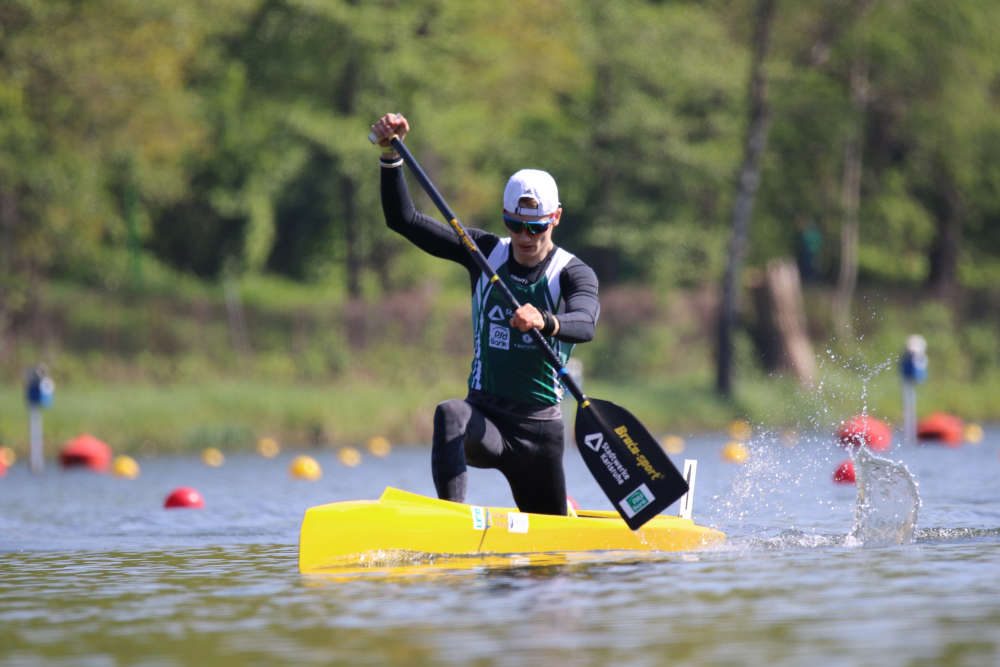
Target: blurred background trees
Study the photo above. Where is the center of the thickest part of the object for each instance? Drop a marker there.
(226, 139)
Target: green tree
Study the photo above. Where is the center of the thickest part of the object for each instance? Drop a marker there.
(747, 184)
(659, 129)
(96, 102)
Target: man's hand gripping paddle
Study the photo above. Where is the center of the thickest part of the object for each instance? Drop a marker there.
(627, 462)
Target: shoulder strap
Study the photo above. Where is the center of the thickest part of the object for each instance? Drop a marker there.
(553, 271)
(496, 259)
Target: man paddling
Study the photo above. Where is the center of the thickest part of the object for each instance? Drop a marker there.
(510, 418)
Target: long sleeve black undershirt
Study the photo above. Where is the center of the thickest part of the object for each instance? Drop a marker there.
(578, 282)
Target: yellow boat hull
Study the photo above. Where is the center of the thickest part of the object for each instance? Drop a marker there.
(353, 532)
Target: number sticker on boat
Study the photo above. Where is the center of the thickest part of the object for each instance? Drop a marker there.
(517, 522)
(480, 518)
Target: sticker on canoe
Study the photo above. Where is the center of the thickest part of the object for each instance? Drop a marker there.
(517, 522)
(480, 517)
(633, 503)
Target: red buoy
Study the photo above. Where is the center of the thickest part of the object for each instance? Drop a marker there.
(941, 427)
(184, 496)
(865, 430)
(844, 474)
(86, 450)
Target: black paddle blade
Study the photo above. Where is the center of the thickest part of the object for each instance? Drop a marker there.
(628, 463)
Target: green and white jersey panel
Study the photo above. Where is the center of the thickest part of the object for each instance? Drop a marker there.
(507, 362)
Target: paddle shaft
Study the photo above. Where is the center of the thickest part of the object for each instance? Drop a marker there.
(484, 265)
(626, 461)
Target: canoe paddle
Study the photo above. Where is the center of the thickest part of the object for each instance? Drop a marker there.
(625, 460)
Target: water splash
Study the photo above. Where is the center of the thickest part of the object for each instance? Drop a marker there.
(778, 484)
(945, 534)
(888, 501)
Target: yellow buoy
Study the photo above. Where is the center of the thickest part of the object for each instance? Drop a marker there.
(973, 434)
(7, 456)
(212, 457)
(305, 467)
(349, 456)
(268, 447)
(739, 429)
(379, 446)
(672, 444)
(735, 452)
(125, 466)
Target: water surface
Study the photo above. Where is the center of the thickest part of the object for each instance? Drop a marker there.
(94, 572)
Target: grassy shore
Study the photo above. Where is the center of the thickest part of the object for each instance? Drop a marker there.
(150, 419)
(158, 372)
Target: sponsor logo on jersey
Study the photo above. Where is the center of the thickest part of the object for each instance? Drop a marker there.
(499, 337)
(497, 314)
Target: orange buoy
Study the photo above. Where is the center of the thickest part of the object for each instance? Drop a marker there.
(735, 452)
(268, 447)
(844, 474)
(213, 457)
(865, 430)
(305, 467)
(86, 450)
(973, 435)
(379, 446)
(125, 466)
(184, 497)
(672, 444)
(349, 456)
(941, 427)
(8, 456)
(740, 429)
(3, 467)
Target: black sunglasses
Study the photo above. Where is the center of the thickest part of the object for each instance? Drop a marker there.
(517, 226)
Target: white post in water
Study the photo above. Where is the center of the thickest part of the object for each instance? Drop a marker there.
(686, 510)
(37, 459)
(913, 367)
(38, 391)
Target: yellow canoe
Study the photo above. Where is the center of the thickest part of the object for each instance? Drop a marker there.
(401, 526)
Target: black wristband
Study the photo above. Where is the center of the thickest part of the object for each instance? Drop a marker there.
(549, 325)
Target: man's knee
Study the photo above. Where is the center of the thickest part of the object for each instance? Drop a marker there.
(450, 419)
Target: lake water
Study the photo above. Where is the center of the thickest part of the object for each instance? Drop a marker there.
(94, 572)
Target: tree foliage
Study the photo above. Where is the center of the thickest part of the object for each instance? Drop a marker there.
(230, 136)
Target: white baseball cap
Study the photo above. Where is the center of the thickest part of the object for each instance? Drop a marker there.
(533, 183)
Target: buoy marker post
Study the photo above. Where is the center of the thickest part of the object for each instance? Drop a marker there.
(686, 509)
(913, 367)
(38, 392)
